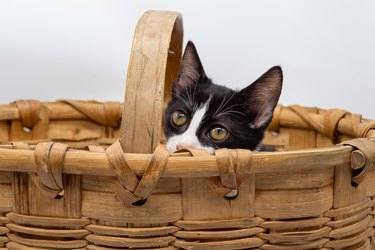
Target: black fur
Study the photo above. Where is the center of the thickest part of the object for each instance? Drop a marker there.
(244, 115)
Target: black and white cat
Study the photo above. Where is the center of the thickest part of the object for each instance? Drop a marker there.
(207, 116)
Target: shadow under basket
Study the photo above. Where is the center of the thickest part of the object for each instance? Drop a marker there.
(74, 175)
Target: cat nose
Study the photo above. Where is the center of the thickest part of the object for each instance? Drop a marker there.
(179, 146)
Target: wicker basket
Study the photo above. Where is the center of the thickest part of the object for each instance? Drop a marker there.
(67, 182)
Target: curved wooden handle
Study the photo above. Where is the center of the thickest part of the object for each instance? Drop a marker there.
(154, 64)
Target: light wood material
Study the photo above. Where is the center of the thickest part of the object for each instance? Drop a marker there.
(91, 163)
(47, 222)
(157, 44)
(312, 194)
(130, 242)
(132, 232)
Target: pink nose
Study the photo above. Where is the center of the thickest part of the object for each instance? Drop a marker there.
(179, 146)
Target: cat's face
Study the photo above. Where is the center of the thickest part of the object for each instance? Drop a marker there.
(207, 116)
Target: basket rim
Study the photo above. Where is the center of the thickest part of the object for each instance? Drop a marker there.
(181, 165)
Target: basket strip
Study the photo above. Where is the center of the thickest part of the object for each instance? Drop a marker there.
(366, 149)
(82, 162)
(316, 178)
(17, 246)
(93, 247)
(107, 113)
(131, 232)
(34, 117)
(29, 112)
(4, 230)
(160, 208)
(158, 38)
(219, 235)
(296, 237)
(365, 246)
(72, 110)
(348, 210)
(52, 222)
(295, 224)
(293, 204)
(104, 184)
(63, 244)
(221, 224)
(349, 241)
(327, 126)
(49, 158)
(6, 178)
(218, 245)
(309, 245)
(3, 240)
(78, 233)
(4, 220)
(75, 131)
(349, 220)
(6, 198)
(130, 242)
(351, 229)
(285, 117)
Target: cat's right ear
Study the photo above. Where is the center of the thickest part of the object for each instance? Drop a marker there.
(262, 97)
(191, 69)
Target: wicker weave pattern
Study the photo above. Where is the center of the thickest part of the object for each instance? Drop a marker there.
(66, 182)
(336, 229)
(315, 222)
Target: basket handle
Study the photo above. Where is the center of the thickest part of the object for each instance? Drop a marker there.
(153, 65)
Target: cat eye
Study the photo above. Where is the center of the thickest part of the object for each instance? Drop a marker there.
(218, 133)
(179, 118)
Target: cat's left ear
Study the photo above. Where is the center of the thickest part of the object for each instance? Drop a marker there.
(191, 69)
(261, 97)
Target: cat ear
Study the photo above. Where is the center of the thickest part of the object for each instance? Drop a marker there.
(191, 69)
(262, 97)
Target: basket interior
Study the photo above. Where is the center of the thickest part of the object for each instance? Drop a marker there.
(84, 123)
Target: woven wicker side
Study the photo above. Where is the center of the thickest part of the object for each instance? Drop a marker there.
(287, 200)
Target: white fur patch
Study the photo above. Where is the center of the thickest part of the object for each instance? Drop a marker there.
(189, 138)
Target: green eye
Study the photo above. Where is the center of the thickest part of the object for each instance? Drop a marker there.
(179, 118)
(218, 133)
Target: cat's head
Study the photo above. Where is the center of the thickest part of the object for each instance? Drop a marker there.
(204, 115)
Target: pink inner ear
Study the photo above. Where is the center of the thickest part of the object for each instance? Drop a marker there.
(191, 69)
(261, 119)
(263, 95)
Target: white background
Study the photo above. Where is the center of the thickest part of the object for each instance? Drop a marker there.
(79, 49)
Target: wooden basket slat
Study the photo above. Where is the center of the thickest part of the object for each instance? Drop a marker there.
(93, 247)
(130, 242)
(316, 244)
(160, 208)
(290, 225)
(91, 163)
(47, 222)
(246, 243)
(219, 235)
(296, 237)
(66, 244)
(58, 233)
(284, 204)
(131, 232)
(351, 229)
(219, 224)
(17, 246)
(3, 241)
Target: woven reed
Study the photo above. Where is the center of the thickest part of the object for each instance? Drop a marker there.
(68, 182)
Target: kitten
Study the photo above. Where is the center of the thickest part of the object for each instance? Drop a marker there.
(207, 116)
